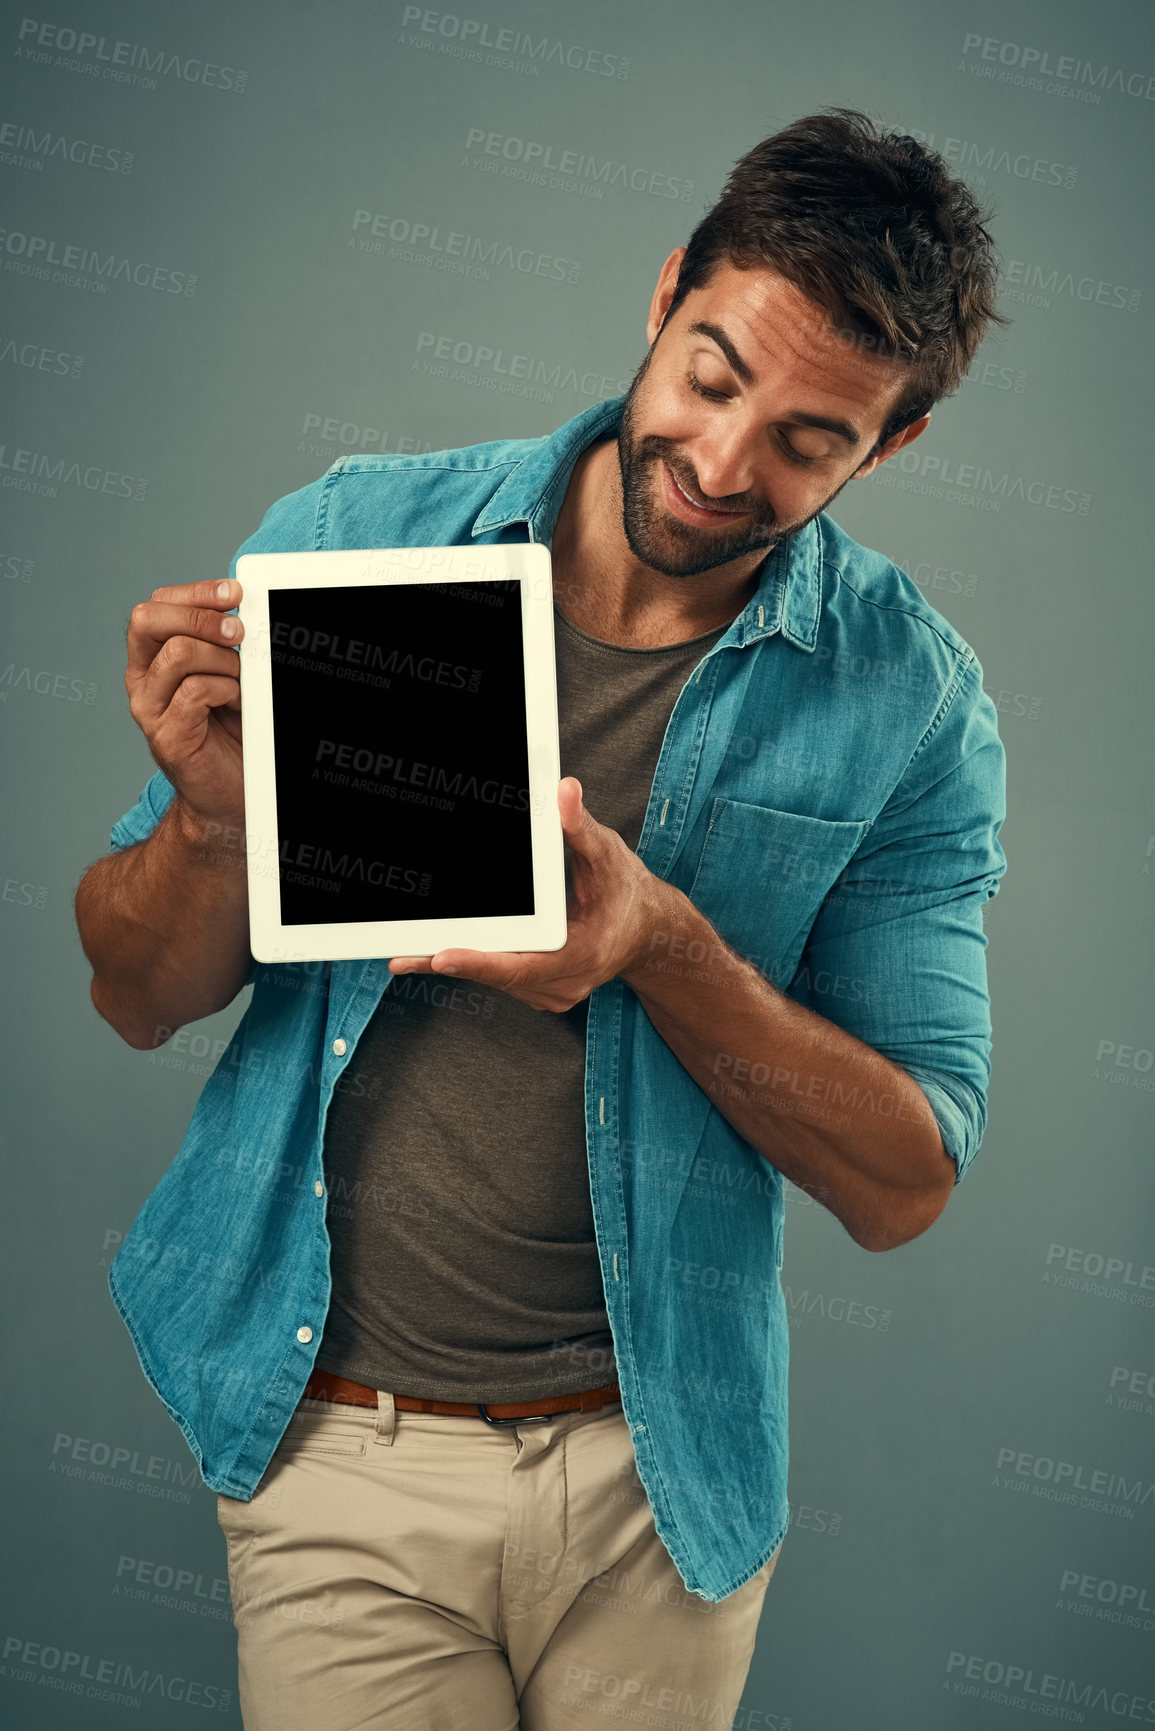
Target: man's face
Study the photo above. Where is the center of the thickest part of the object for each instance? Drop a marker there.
(723, 413)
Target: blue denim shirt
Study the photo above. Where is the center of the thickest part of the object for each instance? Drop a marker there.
(829, 793)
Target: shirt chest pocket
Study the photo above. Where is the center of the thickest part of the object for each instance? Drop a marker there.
(763, 876)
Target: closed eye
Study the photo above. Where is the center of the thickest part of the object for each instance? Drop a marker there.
(788, 451)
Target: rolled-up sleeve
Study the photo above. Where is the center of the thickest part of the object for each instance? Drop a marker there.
(897, 954)
(138, 823)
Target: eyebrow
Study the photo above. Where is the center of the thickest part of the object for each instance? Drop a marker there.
(829, 424)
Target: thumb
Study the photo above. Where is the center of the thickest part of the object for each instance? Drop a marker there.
(579, 827)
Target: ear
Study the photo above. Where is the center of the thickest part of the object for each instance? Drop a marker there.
(664, 292)
(907, 437)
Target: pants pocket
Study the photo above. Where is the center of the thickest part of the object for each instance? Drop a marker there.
(235, 1521)
(325, 1431)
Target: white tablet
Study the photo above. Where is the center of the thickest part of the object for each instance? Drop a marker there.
(401, 760)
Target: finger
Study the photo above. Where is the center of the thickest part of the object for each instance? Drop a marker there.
(447, 962)
(504, 969)
(199, 692)
(178, 660)
(581, 830)
(211, 592)
(183, 724)
(190, 610)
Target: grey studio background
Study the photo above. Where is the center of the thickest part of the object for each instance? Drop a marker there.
(973, 1476)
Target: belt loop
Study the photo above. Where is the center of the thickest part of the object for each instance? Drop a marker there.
(386, 1417)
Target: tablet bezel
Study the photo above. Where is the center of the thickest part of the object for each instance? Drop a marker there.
(530, 564)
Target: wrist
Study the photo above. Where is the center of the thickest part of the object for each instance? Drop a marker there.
(212, 841)
(664, 930)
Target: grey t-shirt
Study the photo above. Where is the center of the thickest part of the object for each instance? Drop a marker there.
(464, 1261)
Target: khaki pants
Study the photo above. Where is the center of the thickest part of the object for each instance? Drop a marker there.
(401, 1571)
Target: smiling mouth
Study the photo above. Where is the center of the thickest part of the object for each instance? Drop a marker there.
(706, 510)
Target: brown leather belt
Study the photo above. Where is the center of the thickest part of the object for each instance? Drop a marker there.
(324, 1385)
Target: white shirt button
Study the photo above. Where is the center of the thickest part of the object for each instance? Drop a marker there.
(304, 1335)
(338, 1048)
(318, 1188)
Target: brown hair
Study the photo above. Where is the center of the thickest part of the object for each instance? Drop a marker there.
(873, 229)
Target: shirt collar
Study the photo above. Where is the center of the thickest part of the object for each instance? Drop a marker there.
(789, 593)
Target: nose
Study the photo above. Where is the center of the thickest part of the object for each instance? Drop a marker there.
(718, 498)
(721, 465)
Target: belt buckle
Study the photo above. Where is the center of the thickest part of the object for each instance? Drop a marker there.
(504, 1423)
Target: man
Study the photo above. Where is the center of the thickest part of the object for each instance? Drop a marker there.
(465, 1290)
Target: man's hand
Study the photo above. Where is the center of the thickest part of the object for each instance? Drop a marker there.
(183, 680)
(837, 1118)
(616, 904)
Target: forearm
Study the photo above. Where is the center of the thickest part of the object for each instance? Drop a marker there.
(165, 927)
(828, 1111)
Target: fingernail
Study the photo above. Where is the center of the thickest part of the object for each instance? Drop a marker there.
(223, 590)
(228, 625)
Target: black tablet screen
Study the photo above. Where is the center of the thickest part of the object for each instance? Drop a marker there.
(402, 763)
